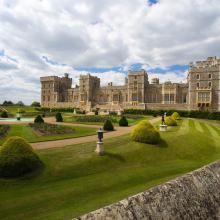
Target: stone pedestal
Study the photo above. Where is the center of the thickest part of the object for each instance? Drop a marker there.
(163, 127)
(99, 148)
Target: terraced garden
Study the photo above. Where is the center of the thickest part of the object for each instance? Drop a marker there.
(75, 180)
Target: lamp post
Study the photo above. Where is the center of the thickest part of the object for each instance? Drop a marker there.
(99, 147)
(163, 126)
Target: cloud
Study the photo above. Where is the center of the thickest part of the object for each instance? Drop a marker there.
(102, 34)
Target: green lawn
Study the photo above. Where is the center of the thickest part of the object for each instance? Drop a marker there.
(76, 181)
(26, 132)
(13, 109)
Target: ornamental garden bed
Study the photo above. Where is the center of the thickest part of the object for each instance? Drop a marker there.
(50, 129)
(4, 130)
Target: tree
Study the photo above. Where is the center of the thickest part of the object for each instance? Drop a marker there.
(35, 104)
(4, 114)
(123, 122)
(7, 103)
(20, 103)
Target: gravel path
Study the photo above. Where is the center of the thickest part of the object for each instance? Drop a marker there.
(80, 140)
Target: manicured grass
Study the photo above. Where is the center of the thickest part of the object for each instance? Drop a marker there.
(13, 109)
(75, 180)
(28, 133)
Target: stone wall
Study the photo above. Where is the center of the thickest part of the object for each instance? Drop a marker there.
(193, 196)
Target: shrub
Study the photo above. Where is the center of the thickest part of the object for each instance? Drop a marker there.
(39, 119)
(59, 117)
(93, 118)
(144, 132)
(4, 114)
(175, 116)
(170, 121)
(108, 126)
(123, 121)
(17, 158)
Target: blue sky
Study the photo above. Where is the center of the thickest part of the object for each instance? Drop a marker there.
(105, 38)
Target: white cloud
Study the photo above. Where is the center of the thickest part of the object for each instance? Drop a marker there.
(101, 33)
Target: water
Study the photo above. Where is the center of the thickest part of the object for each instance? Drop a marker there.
(15, 119)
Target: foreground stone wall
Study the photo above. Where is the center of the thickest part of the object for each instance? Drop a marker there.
(193, 196)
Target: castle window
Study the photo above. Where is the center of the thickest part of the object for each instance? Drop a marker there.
(210, 75)
(134, 97)
(48, 98)
(197, 76)
(210, 84)
(44, 98)
(197, 85)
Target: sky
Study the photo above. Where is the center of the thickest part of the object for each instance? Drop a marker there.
(103, 37)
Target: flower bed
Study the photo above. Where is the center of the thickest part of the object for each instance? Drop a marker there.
(94, 118)
(50, 129)
(4, 130)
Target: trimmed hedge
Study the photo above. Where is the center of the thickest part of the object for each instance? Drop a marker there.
(108, 126)
(176, 116)
(39, 119)
(182, 113)
(170, 121)
(17, 158)
(144, 132)
(123, 122)
(59, 117)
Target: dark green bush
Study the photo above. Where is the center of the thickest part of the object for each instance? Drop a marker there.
(59, 117)
(4, 114)
(170, 121)
(17, 158)
(108, 126)
(144, 132)
(123, 122)
(39, 119)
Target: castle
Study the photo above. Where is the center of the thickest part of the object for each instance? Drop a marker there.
(201, 92)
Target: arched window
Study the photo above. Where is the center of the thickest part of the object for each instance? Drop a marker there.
(210, 75)
(197, 76)
(197, 85)
(210, 84)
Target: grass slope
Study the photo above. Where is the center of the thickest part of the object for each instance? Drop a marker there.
(76, 181)
(26, 132)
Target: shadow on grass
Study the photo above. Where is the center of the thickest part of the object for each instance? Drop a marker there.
(115, 156)
(162, 144)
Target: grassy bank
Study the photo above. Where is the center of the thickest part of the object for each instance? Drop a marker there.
(76, 181)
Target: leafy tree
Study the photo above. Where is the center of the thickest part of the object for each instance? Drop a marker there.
(20, 103)
(4, 114)
(35, 104)
(7, 103)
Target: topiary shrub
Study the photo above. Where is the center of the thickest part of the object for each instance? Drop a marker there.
(176, 116)
(108, 126)
(39, 119)
(123, 122)
(59, 117)
(17, 158)
(170, 121)
(144, 132)
(4, 114)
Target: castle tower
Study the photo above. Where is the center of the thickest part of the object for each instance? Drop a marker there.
(137, 83)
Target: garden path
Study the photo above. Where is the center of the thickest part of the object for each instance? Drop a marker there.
(80, 140)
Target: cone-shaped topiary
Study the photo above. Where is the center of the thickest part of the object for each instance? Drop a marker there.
(39, 119)
(170, 121)
(4, 114)
(108, 126)
(144, 132)
(176, 116)
(123, 121)
(59, 117)
(17, 158)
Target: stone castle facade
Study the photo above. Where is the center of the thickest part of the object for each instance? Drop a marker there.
(201, 92)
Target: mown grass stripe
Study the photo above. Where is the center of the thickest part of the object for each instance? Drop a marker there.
(198, 126)
(212, 131)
